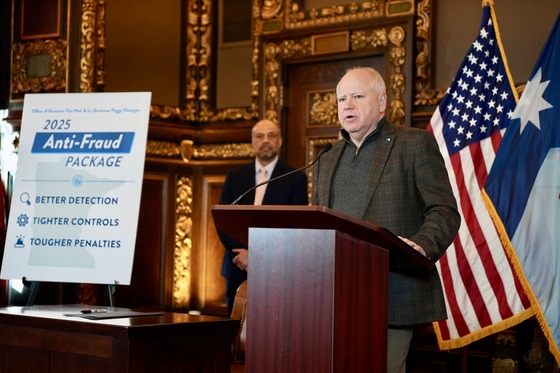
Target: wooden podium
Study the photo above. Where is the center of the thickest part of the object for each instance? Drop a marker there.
(317, 289)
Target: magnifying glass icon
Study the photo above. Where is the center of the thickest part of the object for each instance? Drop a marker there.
(24, 197)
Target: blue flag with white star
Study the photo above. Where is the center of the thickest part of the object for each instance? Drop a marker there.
(524, 188)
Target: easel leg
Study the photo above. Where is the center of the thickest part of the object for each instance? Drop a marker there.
(111, 289)
(34, 287)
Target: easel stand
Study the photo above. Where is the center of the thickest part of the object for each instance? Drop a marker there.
(111, 289)
(34, 287)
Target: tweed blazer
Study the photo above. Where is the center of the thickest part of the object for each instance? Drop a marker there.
(290, 190)
(409, 193)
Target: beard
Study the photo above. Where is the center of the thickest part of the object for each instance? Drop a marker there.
(266, 153)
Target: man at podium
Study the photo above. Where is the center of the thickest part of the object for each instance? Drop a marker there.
(290, 190)
(395, 177)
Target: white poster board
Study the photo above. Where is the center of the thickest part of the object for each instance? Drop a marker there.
(76, 196)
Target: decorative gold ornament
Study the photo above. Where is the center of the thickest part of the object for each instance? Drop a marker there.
(424, 96)
(92, 46)
(397, 57)
(271, 8)
(193, 54)
(297, 19)
(324, 110)
(362, 40)
(313, 146)
(168, 112)
(183, 243)
(187, 150)
(39, 66)
(272, 16)
(100, 52)
(276, 53)
(223, 151)
(269, 16)
(162, 149)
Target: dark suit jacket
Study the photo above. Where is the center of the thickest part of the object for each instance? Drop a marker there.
(290, 190)
(408, 193)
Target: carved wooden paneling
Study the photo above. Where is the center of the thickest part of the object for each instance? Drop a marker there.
(147, 285)
(209, 295)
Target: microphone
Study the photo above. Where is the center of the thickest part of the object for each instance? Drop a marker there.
(325, 149)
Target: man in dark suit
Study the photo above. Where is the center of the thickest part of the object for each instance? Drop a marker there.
(290, 190)
(395, 177)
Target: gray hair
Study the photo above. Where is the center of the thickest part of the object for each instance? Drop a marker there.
(377, 79)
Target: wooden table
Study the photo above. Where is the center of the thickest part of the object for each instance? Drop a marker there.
(43, 339)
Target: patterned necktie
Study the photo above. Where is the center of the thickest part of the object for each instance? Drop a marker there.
(259, 192)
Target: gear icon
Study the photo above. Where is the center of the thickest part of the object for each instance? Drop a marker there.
(22, 220)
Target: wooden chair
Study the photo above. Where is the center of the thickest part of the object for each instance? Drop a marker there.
(239, 312)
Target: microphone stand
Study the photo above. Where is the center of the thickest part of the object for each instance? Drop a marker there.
(325, 149)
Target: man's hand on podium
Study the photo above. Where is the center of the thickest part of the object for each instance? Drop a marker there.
(241, 260)
(414, 245)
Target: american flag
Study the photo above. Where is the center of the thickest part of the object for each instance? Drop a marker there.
(483, 295)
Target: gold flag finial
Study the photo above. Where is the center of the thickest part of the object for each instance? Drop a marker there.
(487, 3)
